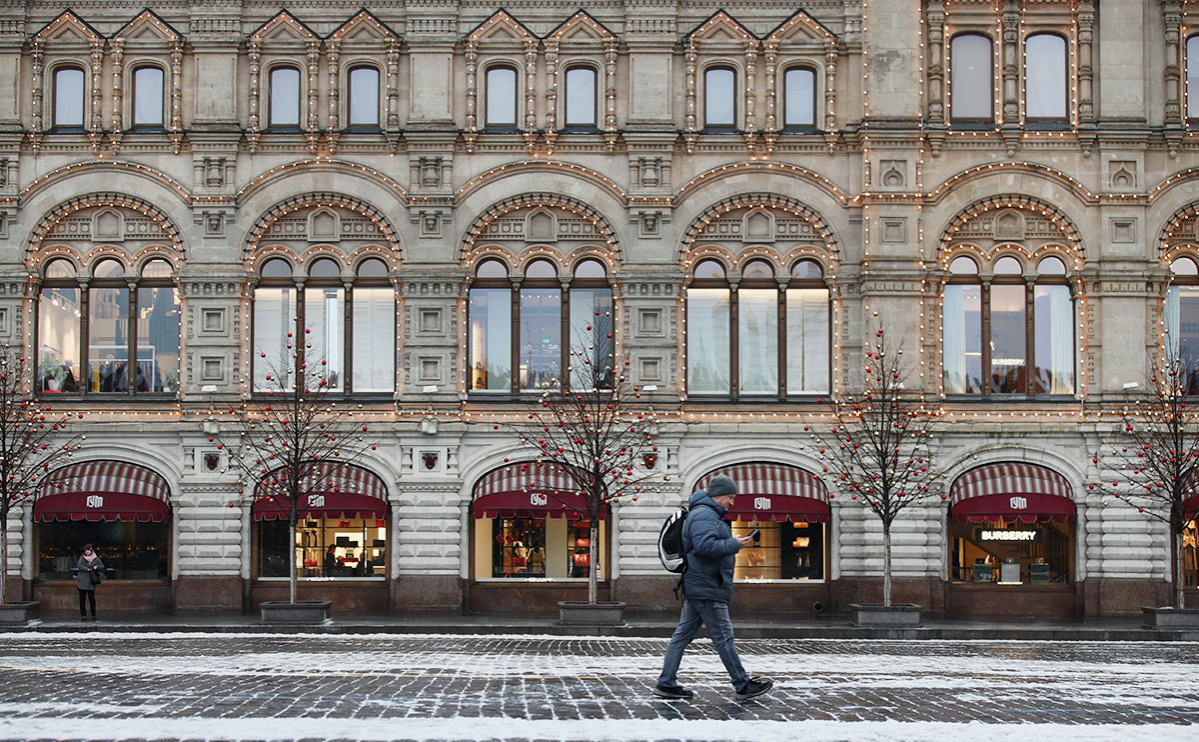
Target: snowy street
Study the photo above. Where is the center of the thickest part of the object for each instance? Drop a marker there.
(276, 688)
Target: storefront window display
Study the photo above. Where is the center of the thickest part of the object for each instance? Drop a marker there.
(1190, 552)
(1012, 553)
(535, 548)
(130, 550)
(780, 551)
(326, 548)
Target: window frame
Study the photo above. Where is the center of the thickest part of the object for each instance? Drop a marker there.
(1172, 345)
(1047, 122)
(567, 125)
(376, 125)
(501, 127)
(134, 87)
(788, 126)
(271, 126)
(721, 128)
(1190, 65)
(71, 128)
(972, 121)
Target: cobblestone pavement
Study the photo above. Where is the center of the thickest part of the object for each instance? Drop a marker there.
(110, 686)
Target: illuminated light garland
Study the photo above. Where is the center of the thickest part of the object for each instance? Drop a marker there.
(548, 200)
(283, 18)
(765, 166)
(1088, 196)
(510, 168)
(501, 17)
(155, 175)
(363, 17)
(331, 200)
(694, 232)
(322, 163)
(40, 232)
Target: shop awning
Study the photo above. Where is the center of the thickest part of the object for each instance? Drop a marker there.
(779, 492)
(1190, 508)
(530, 490)
(103, 491)
(1011, 492)
(335, 491)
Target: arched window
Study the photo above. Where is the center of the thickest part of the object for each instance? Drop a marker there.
(539, 315)
(972, 79)
(986, 330)
(1045, 77)
(720, 98)
(1192, 79)
(799, 98)
(501, 98)
(363, 91)
(1181, 319)
(147, 96)
(68, 97)
(351, 331)
(139, 323)
(580, 98)
(739, 344)
(284, 98)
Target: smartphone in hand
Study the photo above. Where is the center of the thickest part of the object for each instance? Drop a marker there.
(753, 533)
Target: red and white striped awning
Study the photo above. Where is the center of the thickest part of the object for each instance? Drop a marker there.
(335, 491)
(103, 491)
(530, 489)
(1010, 492)
(778, 492)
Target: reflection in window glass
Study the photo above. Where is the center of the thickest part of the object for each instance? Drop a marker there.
(807, 341)
(147, 96)
(1045, 77)
(972, 83)
(68, 97)
(719, 102)
(285, 97)
(501, 96)
(981, 559)
(527, 548)
(1192, 81)
(1182, 330)
(129, 550)
(108, 340)
(58, 340)
(757, 312)
(327, 549)
(324, 317)
(962, 339)
(157, 339)
(374, 339)
(708, 341)
(364, 96)
(780, 551)
(1053, 313)
(590, 335)
(580, 96)
(274, 317)
(799, 97)
(1008, 349)
(491, 339)
(540, 338)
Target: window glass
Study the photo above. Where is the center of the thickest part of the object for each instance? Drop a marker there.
(807, 269)
(491, 339)
(157, 269)
(285, 97)
(364, 96)
(374, 338)
(1192, 81)
(276, 268)
(590, 338)
(328, 549)
(60, 269)
(1008, 350)
(807, 341)
(108, 269)
(758, 336)
(536, 548)
(108, 339)
(590, 269)
(541, 269)
(501, 97)
(129, 550)
(963, 266)
(1053, 313)
(372, 268)
(540, 338)
(580, 96)
(492, 269)
(68, 96)
(1045, 76)
(324, 318)
(58, 340)
(274, 318)
(1180, 267)
(157, 339)
(1041, 555)
(324, 268)
(1008, 266)
(709, 269)
(719, 97)
(962, 339)
(972, 80)
(1051, 267)
(799, 97)
(147, 96)
(757, 269)
(780, 551)
(1182, 330)
(708, 341)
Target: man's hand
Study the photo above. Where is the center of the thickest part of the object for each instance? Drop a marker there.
(744, 541)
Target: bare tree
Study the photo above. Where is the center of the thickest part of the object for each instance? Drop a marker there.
(878, 447)
(1155, 468)
(33, 440)
(286, 439)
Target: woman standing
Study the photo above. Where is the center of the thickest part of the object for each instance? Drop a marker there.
(91, 571)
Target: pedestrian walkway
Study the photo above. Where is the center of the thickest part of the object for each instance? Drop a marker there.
(775, 626)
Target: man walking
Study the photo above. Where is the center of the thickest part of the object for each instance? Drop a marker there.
(711, 552)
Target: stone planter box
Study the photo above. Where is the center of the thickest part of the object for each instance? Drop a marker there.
(306, 612)
(1167, 617)
(571, 613)
(898, 616)
(19, 614)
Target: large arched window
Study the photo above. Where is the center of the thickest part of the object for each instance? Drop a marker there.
(799, 98)
(580, 107)
(147, 97)
(363, 96)
(500, 96)
(740, 344)
(352, 332)
(68, 97)
(1045, 78)
(284, 111)
(972, 80)
(128, 317)
(720, 98)
(1182, 319)
(991, 329)
(538, 316)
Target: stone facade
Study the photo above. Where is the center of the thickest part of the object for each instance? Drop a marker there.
(882, 189)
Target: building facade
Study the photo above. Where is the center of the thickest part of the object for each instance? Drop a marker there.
(440, 197)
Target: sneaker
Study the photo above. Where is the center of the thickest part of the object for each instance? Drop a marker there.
(672, 691)
(754, 688)
(83, 618)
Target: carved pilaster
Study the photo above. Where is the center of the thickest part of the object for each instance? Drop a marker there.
(255, 59)
(332, 54)
(97, 86)
(552, 82)
(610, 91)
(1086, 69)
(472, 97)
(176, 126)
(936, 62)
(393, 85)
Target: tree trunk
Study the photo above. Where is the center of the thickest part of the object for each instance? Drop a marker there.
(4, 557)
(1178, 580)
(291, 553)
(886, 564)
(592, 562)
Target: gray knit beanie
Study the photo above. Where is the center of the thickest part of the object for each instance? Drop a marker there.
(720, 486)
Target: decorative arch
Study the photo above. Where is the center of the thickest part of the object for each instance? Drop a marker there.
(319, 199)
(813, 227)
(980, 219)
(1181, 228)
(604, 229)
(46, 225)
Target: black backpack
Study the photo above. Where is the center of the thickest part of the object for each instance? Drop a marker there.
(670, 542)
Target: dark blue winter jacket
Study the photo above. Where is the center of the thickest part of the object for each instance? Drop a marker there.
(711, 551)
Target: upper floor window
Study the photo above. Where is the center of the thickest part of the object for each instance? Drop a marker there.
(1192, 81)
(128, 317)
(1045, 77)
(580, 97)
(740, 344)
(284, 98)
(501, 97)
(351, 333)
(363, 96)
(539, 316)
(68, 97)
(799, 98)
(720, 98)
(992, 328)
(972, 80)
(147, 96)
(1181, 318)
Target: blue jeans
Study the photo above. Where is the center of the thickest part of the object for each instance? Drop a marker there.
(715, 616)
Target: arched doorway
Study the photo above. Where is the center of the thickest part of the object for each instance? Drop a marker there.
(1012, 542)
